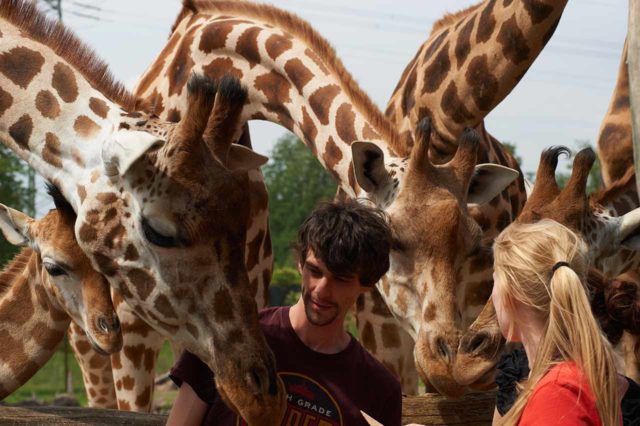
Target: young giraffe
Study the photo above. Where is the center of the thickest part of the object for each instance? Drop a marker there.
(162, 208)
(469, 64)
(296, 80)
(47, 286)
(608, 221)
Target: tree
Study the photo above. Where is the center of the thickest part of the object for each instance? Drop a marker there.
(14, 192)
(296, 182)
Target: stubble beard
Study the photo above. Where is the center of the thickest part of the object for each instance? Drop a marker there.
(312, 317)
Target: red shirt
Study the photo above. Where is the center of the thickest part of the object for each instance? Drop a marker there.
(562, 397)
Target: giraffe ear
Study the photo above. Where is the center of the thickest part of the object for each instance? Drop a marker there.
(488, 181)
(124, 148)
(368, 165)
(15, 226)
(630, 230)
(240, 158)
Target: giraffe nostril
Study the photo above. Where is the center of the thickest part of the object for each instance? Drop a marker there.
(443, 349)
(255, 380)
(476, 343)
(115, 325)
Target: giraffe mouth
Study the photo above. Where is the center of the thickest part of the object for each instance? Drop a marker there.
(96, 346)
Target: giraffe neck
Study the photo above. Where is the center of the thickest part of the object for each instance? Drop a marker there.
(614, 141)
(50, 113)
(32, 324)
(471, 62)
(293, 76)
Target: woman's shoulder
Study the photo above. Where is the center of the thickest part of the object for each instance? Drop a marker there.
(566, 373)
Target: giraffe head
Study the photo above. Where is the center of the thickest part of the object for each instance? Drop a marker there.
(607, 237)
(434, 234)
(171, 233)
(65, 271)
(161, 207)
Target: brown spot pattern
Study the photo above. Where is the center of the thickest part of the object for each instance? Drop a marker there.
(6, 100)
(390, 336)
(309, 130)
(131, 253)
(514, 44)
(368, 338)
(463, 43)
(163, 305)
(453, 106)
(408, 93)
(332, 155)
(275, 87)
(486, 23)
(321, 100)
(253, 249)
(276, 45)
(223, 306)
(537, 10)
(316, 59)
(181, 65)
(214, 36)
(87, 233)
(143, 399)
(64, 81)
(483, 83)
(21, 130)
(220, 67)
(47, 104)
(368, 133)
(142, 281)
(128, 381)
(21, 65)
(99, 107)
(298, 73)
(85, 127)
(51, 151)
(247, 45)
(437, 71)
(345, 123)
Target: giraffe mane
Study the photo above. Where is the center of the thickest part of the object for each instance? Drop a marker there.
(50, 32)
(14, 268)
(305, 32)
(606, 195)
(451, 18)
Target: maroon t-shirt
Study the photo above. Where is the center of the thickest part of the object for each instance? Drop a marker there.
(322, 390)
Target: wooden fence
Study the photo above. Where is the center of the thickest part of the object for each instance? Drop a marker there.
(473, 410)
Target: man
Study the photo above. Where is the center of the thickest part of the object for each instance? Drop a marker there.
(343, 250)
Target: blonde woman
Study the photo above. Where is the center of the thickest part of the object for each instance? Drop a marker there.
(540, 300)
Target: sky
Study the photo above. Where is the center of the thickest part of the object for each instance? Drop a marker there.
(561, 100)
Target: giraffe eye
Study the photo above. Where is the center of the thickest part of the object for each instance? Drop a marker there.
(159, 239)
(53, 269)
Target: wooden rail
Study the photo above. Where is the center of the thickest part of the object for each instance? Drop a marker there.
(473, 410)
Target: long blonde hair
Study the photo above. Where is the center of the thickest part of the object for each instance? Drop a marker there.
(525, 255)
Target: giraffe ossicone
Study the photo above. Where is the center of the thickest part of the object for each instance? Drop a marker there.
(168, 229)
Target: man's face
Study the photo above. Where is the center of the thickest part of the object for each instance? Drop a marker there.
(327, 297)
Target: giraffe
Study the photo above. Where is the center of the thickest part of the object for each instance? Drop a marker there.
(295, 79)
(470, 62)
(48, 285)
(162, 208)
(614, 145)
(608, 221)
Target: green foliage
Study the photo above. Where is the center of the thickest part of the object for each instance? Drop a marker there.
(15, 192)
(296, 182)
(285, 276)
(292, 298)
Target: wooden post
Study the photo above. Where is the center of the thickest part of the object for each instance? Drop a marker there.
(633, 64)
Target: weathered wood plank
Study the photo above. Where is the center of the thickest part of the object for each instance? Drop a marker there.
(473, 409)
